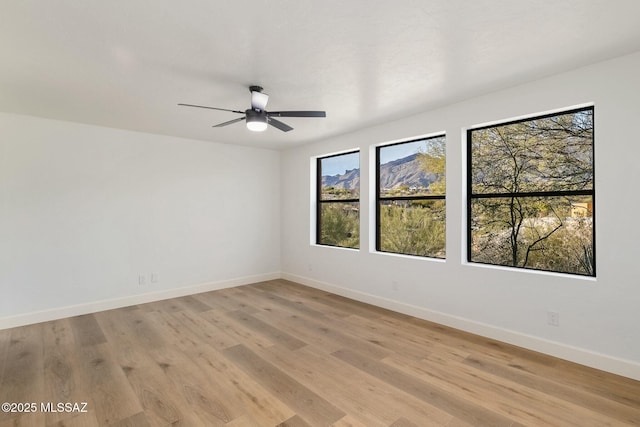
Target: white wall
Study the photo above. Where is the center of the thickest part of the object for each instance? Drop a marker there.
(84, 210)
(599, 318)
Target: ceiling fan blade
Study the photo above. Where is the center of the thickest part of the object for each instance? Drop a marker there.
(230, 122)
(211, 108)
(278, 124)
(297, 113)
(259, 100)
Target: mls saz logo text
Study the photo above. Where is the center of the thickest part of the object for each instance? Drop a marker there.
(63, 407)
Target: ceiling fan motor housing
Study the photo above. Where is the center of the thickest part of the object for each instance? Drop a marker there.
(256, 115)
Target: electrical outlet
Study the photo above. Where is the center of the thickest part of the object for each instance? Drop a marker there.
(154, 277)
(142, 280)
(553, 318)
(394, 285)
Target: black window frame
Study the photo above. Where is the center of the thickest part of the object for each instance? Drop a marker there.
(592, 193)
(380, 200)
(320, 202)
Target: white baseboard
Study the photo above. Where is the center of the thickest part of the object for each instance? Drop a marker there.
(95, 306)
(582, 356)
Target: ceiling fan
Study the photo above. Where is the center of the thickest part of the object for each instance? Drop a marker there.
(257, 117)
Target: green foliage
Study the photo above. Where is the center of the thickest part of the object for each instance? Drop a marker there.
(335, 193)
(415, 228)
(434, 160)
(340, 225)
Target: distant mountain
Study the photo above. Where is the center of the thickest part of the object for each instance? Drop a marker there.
(405, 171)
(348, 180)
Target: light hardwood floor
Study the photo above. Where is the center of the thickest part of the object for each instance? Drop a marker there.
(281, 354)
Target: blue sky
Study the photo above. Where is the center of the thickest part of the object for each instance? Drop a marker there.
(340, 164)
(395, 152)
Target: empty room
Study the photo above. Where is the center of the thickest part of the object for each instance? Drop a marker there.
(297, 213)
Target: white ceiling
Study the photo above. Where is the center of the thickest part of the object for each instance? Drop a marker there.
(126, 64)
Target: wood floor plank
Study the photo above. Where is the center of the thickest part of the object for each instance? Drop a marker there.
(237, 331)
(206, 331)
(23, 378)
(211, 299)
(273, 334)
(327, 335)
(62, 380)
(166, 306)
(154, 390)
(352, 307)
(294, 421)
(603, 384)
(451, 338)
(403, 422)
(112, 396)
(5, 341)
(348, 421)
(303, 298)
(302, 328)
(246, 420)
(26, 420)
(407, 343)
(136, 420)
(194, 304)
(77, 420)
(268, 301)
(442, 399)
(87, 330)
(457, 422)
(311, 407)
(225, 300)
(493, 393)
(237, 392)
(204, 399)
(286, 287)
(611, 409)
(366, 399)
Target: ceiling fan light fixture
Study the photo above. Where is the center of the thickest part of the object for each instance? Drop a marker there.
(256, 122)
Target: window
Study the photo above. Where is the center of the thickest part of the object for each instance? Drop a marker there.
(411, 197)
(338, 200)
(531, 195)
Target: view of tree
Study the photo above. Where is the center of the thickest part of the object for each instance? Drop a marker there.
(531, 201)
(433, 159)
